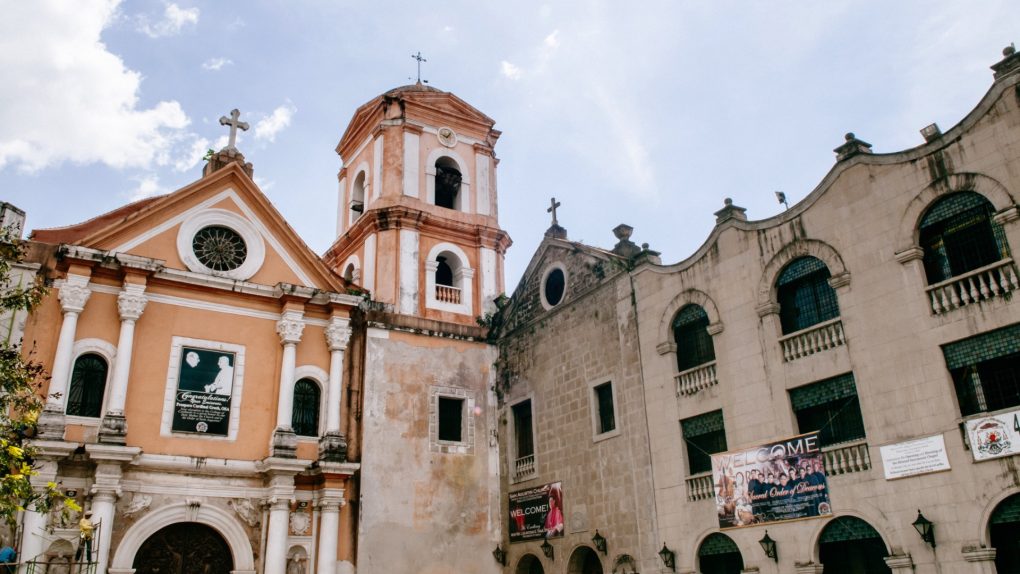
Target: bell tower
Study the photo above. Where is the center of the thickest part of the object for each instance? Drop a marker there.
(417, 214)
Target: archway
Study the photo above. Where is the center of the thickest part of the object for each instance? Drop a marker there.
(849, 545)
(184, 548)
(584, 561)
(718, 554)
(1004, 528)
(529, 564)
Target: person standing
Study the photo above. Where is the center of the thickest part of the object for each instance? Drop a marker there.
(86, 532)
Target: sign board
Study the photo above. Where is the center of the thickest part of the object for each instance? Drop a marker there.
(205, 383)
(771, 482)
(536, 513)
(994, 436)
(914, 457)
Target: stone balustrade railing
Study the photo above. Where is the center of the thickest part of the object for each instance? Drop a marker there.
(988, 282)
(524, 467)
(814, 339)
(846, 458)
(448, 294)
(700, 487)
(695, 379)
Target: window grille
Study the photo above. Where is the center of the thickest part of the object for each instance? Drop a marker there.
(831, 407)
(958, 235)
(805, 296)
(986, 370)
(306, 408)
(88, 385)
(693, 343)
(705, 436)
(523, 430)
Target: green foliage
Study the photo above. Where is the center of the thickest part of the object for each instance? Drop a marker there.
(21, 402)
(208, 154)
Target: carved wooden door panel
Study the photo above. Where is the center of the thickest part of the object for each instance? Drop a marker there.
(184, 548)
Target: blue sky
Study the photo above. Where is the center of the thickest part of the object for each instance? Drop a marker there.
(646, 113)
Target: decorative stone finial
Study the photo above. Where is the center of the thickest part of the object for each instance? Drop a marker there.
(625, 247)
(852, 147)
(1009, 63)
(730, 211)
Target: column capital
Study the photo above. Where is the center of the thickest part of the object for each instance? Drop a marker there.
(289, 328)
(73, 296)
(978, 554)
(131, 302)
(338, 334)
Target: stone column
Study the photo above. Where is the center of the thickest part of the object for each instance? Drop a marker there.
(276, 538)
(333, 445)
(289, 328)
(329, 530)
(106, 489)
(131, 303)
(900, 563)
(73, 295)
(34, 536)
(982, 560)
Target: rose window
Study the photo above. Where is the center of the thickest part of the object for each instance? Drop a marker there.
(219, 248)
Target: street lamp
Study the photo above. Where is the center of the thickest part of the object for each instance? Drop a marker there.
(769, 546)
(668, 557)
(926, 528)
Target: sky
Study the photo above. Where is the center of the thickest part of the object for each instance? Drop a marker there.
(646, 113)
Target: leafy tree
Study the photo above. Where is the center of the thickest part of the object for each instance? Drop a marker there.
(21, 401)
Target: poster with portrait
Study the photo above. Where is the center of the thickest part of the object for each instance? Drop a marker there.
(536, 513)
(205, 382)
(772, 482)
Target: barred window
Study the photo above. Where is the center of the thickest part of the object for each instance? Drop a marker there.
(705, 436)
(522, 428)
(805, 296)
(958, 235)
(986, 370)
(306, 408)
(830, 407)
(693, 343)
(88, 385)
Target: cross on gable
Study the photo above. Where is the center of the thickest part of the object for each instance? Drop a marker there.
(553, 204)
(235, 124)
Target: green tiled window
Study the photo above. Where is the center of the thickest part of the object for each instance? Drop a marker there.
(830, 407)
(805, 296)
(705, 436)
(693, 343)
(958, 235)
(986, 370)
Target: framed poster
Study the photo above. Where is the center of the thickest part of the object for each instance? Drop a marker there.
(536, 513)
(994, 436)
(771, 482)
(203, 388)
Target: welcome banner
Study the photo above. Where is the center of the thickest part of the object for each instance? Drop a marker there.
(536, 513)
(772, 482)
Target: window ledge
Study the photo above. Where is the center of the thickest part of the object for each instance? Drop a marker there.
(606, 435)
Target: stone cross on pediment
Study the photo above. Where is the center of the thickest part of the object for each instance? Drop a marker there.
(553, 204)
(235, 124)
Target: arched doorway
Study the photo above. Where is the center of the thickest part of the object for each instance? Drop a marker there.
(584, 561)
(529, 564)
(184, 548)
(1004, 527)
(718, 554)
(849, 545)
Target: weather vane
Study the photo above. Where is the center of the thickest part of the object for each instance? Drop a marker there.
(420, 59)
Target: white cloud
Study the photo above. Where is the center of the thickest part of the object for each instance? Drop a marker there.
(267, 128)
(510, 71)
(216, 64)
(193, 156)
(174, 20)
(148, 186)
(66, 97)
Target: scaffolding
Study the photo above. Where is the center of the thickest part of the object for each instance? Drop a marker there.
(83, 562)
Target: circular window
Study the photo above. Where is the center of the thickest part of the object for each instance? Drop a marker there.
(219, 248)
(554, 285)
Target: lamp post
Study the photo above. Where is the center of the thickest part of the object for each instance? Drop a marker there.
(769, 546)
(926, 528)
(599, 541)
(500, 555)
(548, 550)
(668, 557)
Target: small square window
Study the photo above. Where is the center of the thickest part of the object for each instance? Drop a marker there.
(607, 414)
(451, 419)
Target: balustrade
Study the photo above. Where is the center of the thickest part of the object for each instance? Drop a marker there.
(448, 294)
(814, 339)
(700, 487)
(982, 284)
(695, 379)
(524, 467)
(846, 458)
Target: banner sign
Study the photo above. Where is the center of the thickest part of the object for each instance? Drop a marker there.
(536, 513)
(205, 382)
(914, 457)
(994, 436)
(772, 482)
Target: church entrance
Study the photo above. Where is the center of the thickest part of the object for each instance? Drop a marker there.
(849, 545)
(718, 554)
(184, 548)
(529, 565)
(584, 561)
(1004, 527)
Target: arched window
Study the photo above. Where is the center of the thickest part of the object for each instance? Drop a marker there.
(718, 554)
(693, 343)
(448, 179)
(358, 197)
(849, 545)
(306, 408)
(805, 296)
(88, 385)
(1004, 528)
(529, 564)
(958, 235)
(448, 288)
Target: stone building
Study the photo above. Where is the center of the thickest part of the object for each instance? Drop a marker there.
(864, 344)
(222, 399)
